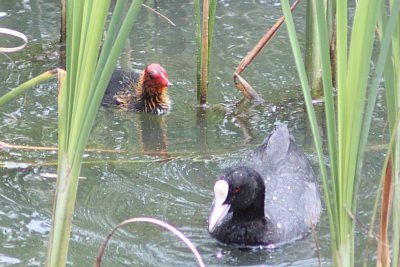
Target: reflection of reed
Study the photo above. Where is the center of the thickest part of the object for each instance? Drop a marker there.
(320, 115)
(245, 126)
(152, 135)
(201, 124)
(242, 119)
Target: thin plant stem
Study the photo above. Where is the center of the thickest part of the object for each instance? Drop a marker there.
(204, 57)
(27, 85)
(164, 225)
(310, 110)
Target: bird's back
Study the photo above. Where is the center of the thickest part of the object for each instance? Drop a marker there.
(292, 198)
(121, 83)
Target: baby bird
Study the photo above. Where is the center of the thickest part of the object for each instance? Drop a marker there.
(142, 92)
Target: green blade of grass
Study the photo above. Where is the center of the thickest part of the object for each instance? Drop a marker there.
(26, 85)
(329, 103)
(341, 75)
(350, 110)
(383, 62)
(310, 110)
(79, 102)
(74, 22)
(395, 106)
(89, 53)
(111, 35)
(312, 55)
(54, 253)
(106, 72)
(365, 19)
(385, 43)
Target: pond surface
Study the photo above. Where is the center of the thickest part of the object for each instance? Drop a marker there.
(127, 174)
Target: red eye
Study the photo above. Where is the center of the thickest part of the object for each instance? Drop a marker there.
(236, 189)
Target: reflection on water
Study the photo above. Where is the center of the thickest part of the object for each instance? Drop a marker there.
(153, 135)
(144, 165)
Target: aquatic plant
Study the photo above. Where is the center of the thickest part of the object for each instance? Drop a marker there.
(162, 224)
(16, 34)
(28, 84)
(90, 62)
(204, 33)
(348, 130)
(240, 83)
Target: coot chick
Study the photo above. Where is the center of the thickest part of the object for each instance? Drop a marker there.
(142, 92)
(270, 198)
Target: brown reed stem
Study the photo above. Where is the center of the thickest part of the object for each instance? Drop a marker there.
(204, 52)
(239, 81)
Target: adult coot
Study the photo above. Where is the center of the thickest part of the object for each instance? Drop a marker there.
(143, 92)
(270, 198)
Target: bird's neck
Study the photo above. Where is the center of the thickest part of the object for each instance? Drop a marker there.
(255, 210)
(151, 98)
(252, 212)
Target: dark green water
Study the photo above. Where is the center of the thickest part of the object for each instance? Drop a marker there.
(130, 178)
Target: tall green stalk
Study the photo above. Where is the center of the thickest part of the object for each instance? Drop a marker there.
(392, 85)
(88, 72)
(350, 119)
(386, 27)
(26, 85)
(310, 112)
(323, 33)
(312, 52)
(344, 145)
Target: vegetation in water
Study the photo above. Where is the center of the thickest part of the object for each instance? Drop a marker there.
(341, 52)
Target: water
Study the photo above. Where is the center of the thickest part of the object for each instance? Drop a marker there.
(128, 176)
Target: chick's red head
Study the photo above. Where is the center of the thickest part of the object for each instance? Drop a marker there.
(156, 76)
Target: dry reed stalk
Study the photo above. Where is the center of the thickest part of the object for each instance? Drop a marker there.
(204, 51)
(239, 81)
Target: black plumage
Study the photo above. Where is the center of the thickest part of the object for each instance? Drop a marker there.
(270, 198)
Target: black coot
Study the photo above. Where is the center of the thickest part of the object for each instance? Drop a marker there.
(270, 198)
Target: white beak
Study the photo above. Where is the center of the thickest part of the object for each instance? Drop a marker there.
(218, 209)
